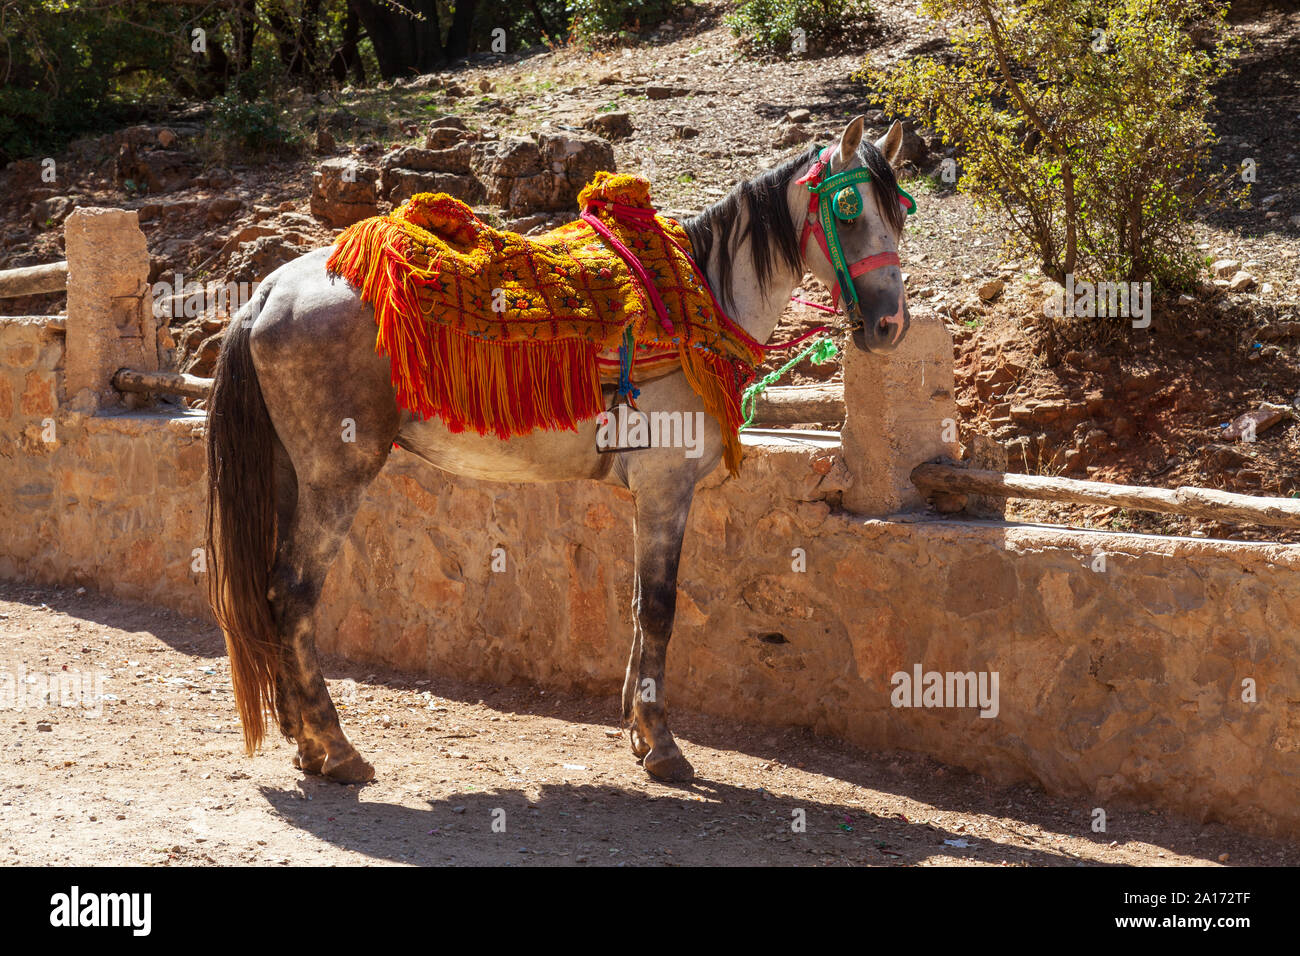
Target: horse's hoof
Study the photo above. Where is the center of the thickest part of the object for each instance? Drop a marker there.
(309, 764)
(351, 769)
(639, 746)
(669, 766)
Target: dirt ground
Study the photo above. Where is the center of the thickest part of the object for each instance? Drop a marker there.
(153, 774)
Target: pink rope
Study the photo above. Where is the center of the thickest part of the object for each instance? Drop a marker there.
(633, 263)
(814, 305)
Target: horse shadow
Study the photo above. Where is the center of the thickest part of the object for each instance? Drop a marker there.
(705, 823)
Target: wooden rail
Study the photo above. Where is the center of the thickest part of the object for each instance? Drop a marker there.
(793, 405)
(800, 405)
(1191, 502)
(176, 383)
(34, 280)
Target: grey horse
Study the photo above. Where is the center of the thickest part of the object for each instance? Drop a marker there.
(300, 359)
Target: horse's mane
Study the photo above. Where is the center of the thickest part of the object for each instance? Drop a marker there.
(761, 202)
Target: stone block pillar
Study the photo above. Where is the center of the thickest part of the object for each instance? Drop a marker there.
(899, 412)
(110, 314)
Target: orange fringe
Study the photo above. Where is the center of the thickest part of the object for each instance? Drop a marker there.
(508, 388)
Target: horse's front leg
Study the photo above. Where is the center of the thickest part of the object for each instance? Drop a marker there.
(662, 508)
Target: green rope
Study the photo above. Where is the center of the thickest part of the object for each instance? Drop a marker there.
(822, 350)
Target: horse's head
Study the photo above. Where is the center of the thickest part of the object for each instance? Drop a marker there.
(855, 211)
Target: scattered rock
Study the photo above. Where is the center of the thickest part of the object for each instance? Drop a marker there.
(524, 176)
(51, 212)
(348, 122)
(913, 149)
(455, 159)
(155, 170)
(537, 222)
(218, 177)
(1223, 268)
(1276, 331)
(254, 261)
(344, 191)
(798, 116)
(991, 290)
(791, 136)
(411, 170)
(1222, 456)
(444, 131)
(221, 208)
(1241, 281)
(424, 81)
(665, 92)
(1249, 425)
(400, 185)
(616, 125)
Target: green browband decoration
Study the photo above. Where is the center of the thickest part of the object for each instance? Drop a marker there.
(846, 204)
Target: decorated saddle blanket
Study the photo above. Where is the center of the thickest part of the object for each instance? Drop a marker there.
(507, 334)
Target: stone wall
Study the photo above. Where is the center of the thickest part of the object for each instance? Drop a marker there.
(113, 501)
(1118, 686)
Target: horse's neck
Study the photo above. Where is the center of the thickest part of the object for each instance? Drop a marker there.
(755, 310)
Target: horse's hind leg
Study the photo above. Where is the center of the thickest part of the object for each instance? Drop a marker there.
(335, 417)
(303, 558)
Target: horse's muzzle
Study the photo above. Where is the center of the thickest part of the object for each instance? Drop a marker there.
(879, 330)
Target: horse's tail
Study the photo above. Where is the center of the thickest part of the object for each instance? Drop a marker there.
(241, 526)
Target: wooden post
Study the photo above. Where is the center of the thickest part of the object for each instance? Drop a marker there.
(899, 411)
(172, 383)
(800, 405)
(1191, 502)
(34, 280)
(110, 317)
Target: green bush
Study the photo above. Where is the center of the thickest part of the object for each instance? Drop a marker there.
(604, 19)
(252, 126)
(1084, 123)
(774, 26)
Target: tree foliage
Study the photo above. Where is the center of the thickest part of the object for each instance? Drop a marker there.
(793, 27)
(1086, 123)
(68, 65)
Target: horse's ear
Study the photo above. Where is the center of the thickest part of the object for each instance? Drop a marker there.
(891, 144)
(850, 139)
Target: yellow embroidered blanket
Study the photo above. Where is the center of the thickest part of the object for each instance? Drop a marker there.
(503, 333)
